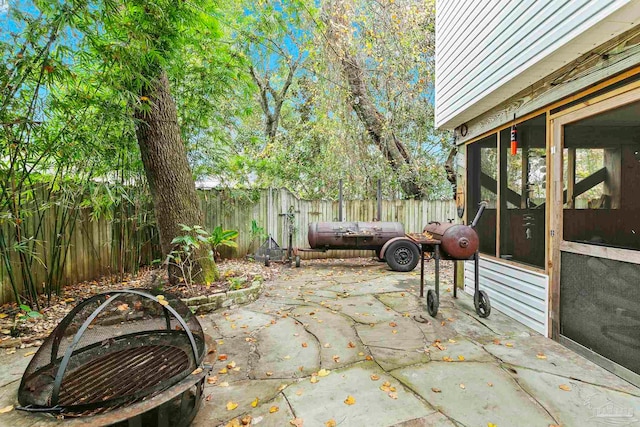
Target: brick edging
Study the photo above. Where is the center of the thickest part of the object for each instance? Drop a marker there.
(207, 303)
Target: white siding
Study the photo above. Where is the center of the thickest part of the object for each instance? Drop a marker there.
(488, 51)
(519, 293)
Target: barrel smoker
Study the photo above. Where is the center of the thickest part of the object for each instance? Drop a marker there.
(456, 242)
(387, 239)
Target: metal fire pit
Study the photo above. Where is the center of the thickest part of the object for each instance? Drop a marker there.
(113, 355)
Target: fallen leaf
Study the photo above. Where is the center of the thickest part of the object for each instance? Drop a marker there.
(350, 400)
(490, 384)
(323, 372)
(336, 358)
(223, 384)
(361, 354)
(393, 324)
(222, 357)
(246, 420)
(6, 409)
(367, 357)
(351, 345)
(330, 423)
(233, 423)
(374, 377)
(541, 356)
(462, 386)
(491, 425)
(436, 390)
(269, 373)
(393, 395)
(31, 353)
(144, 98)
(163, 302)
(327, 345)
(223, 371)
(305, 345)
(565, 387)
(509, 344)
(257, 420)
(212, 380)
(297, 422)
(452, 341)
(282, 387)
(447, 359)
(231, 406)
(231, 365)
(496, 341)
(255, 402)
(273, 409)
(123, 307)
(394, 332)
(314, 379)
(386, 386)
(461, 358)
(299, 392)
(208, 398)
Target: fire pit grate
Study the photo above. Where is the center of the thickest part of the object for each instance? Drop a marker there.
(113, 350)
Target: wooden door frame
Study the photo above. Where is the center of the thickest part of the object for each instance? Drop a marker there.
(555, 127)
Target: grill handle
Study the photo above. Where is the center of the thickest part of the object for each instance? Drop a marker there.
(481, 209)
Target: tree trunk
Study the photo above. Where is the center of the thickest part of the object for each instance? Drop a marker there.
(170, 180)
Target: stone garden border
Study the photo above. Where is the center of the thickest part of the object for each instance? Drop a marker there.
(207, 303)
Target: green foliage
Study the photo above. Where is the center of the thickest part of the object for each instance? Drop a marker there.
(220, 237)
(184, 256)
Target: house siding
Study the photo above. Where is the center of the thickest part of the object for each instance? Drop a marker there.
(481, 46)
(519, 293)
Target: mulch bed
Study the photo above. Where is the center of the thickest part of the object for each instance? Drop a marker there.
(31, 331)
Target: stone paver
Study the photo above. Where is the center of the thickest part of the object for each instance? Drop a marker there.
(330, 330)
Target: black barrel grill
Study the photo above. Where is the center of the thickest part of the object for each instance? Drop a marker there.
(114, 350)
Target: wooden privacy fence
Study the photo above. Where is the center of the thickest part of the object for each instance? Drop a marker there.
(93, 247)
(268, 209)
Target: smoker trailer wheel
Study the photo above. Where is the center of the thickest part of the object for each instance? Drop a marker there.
(115, 350)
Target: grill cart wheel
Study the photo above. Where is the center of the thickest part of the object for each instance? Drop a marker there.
(297, 261)
(483, 305)
(402, 255)
(432, 303)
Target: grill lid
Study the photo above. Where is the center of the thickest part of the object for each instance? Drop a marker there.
(111, 350)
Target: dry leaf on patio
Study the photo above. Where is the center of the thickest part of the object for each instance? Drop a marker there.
(233, 423)
(462, 386)
(231, 406)
(394, 332)
(447, 359)
(393, 324)
(314, 379)
(374, 377)
(541, 356)
(30, 353)
(305, 345)
(452, 341)
(336, 358)
(246, 420)
(393, 395)
(327, 345)
(461, 358)
(367, 357)
(273, 409)
(231, 365)
(282, 387)
(490, 384)
(323, 372)
(269, 373)
(496, 341)
(223, 371)
(255, 402)
(350, 400)
(565, 387)
(163, 302)
(197, 371)
(123, 307)
(222, 357)
(6, 409)
(208, 398)
(212, 380)
(299, 392)
(330, 423)
(509, 344)
(491, 425)
(436, 390)
(223, 384)
(351, 345)
(297, 422)
(386, 386)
